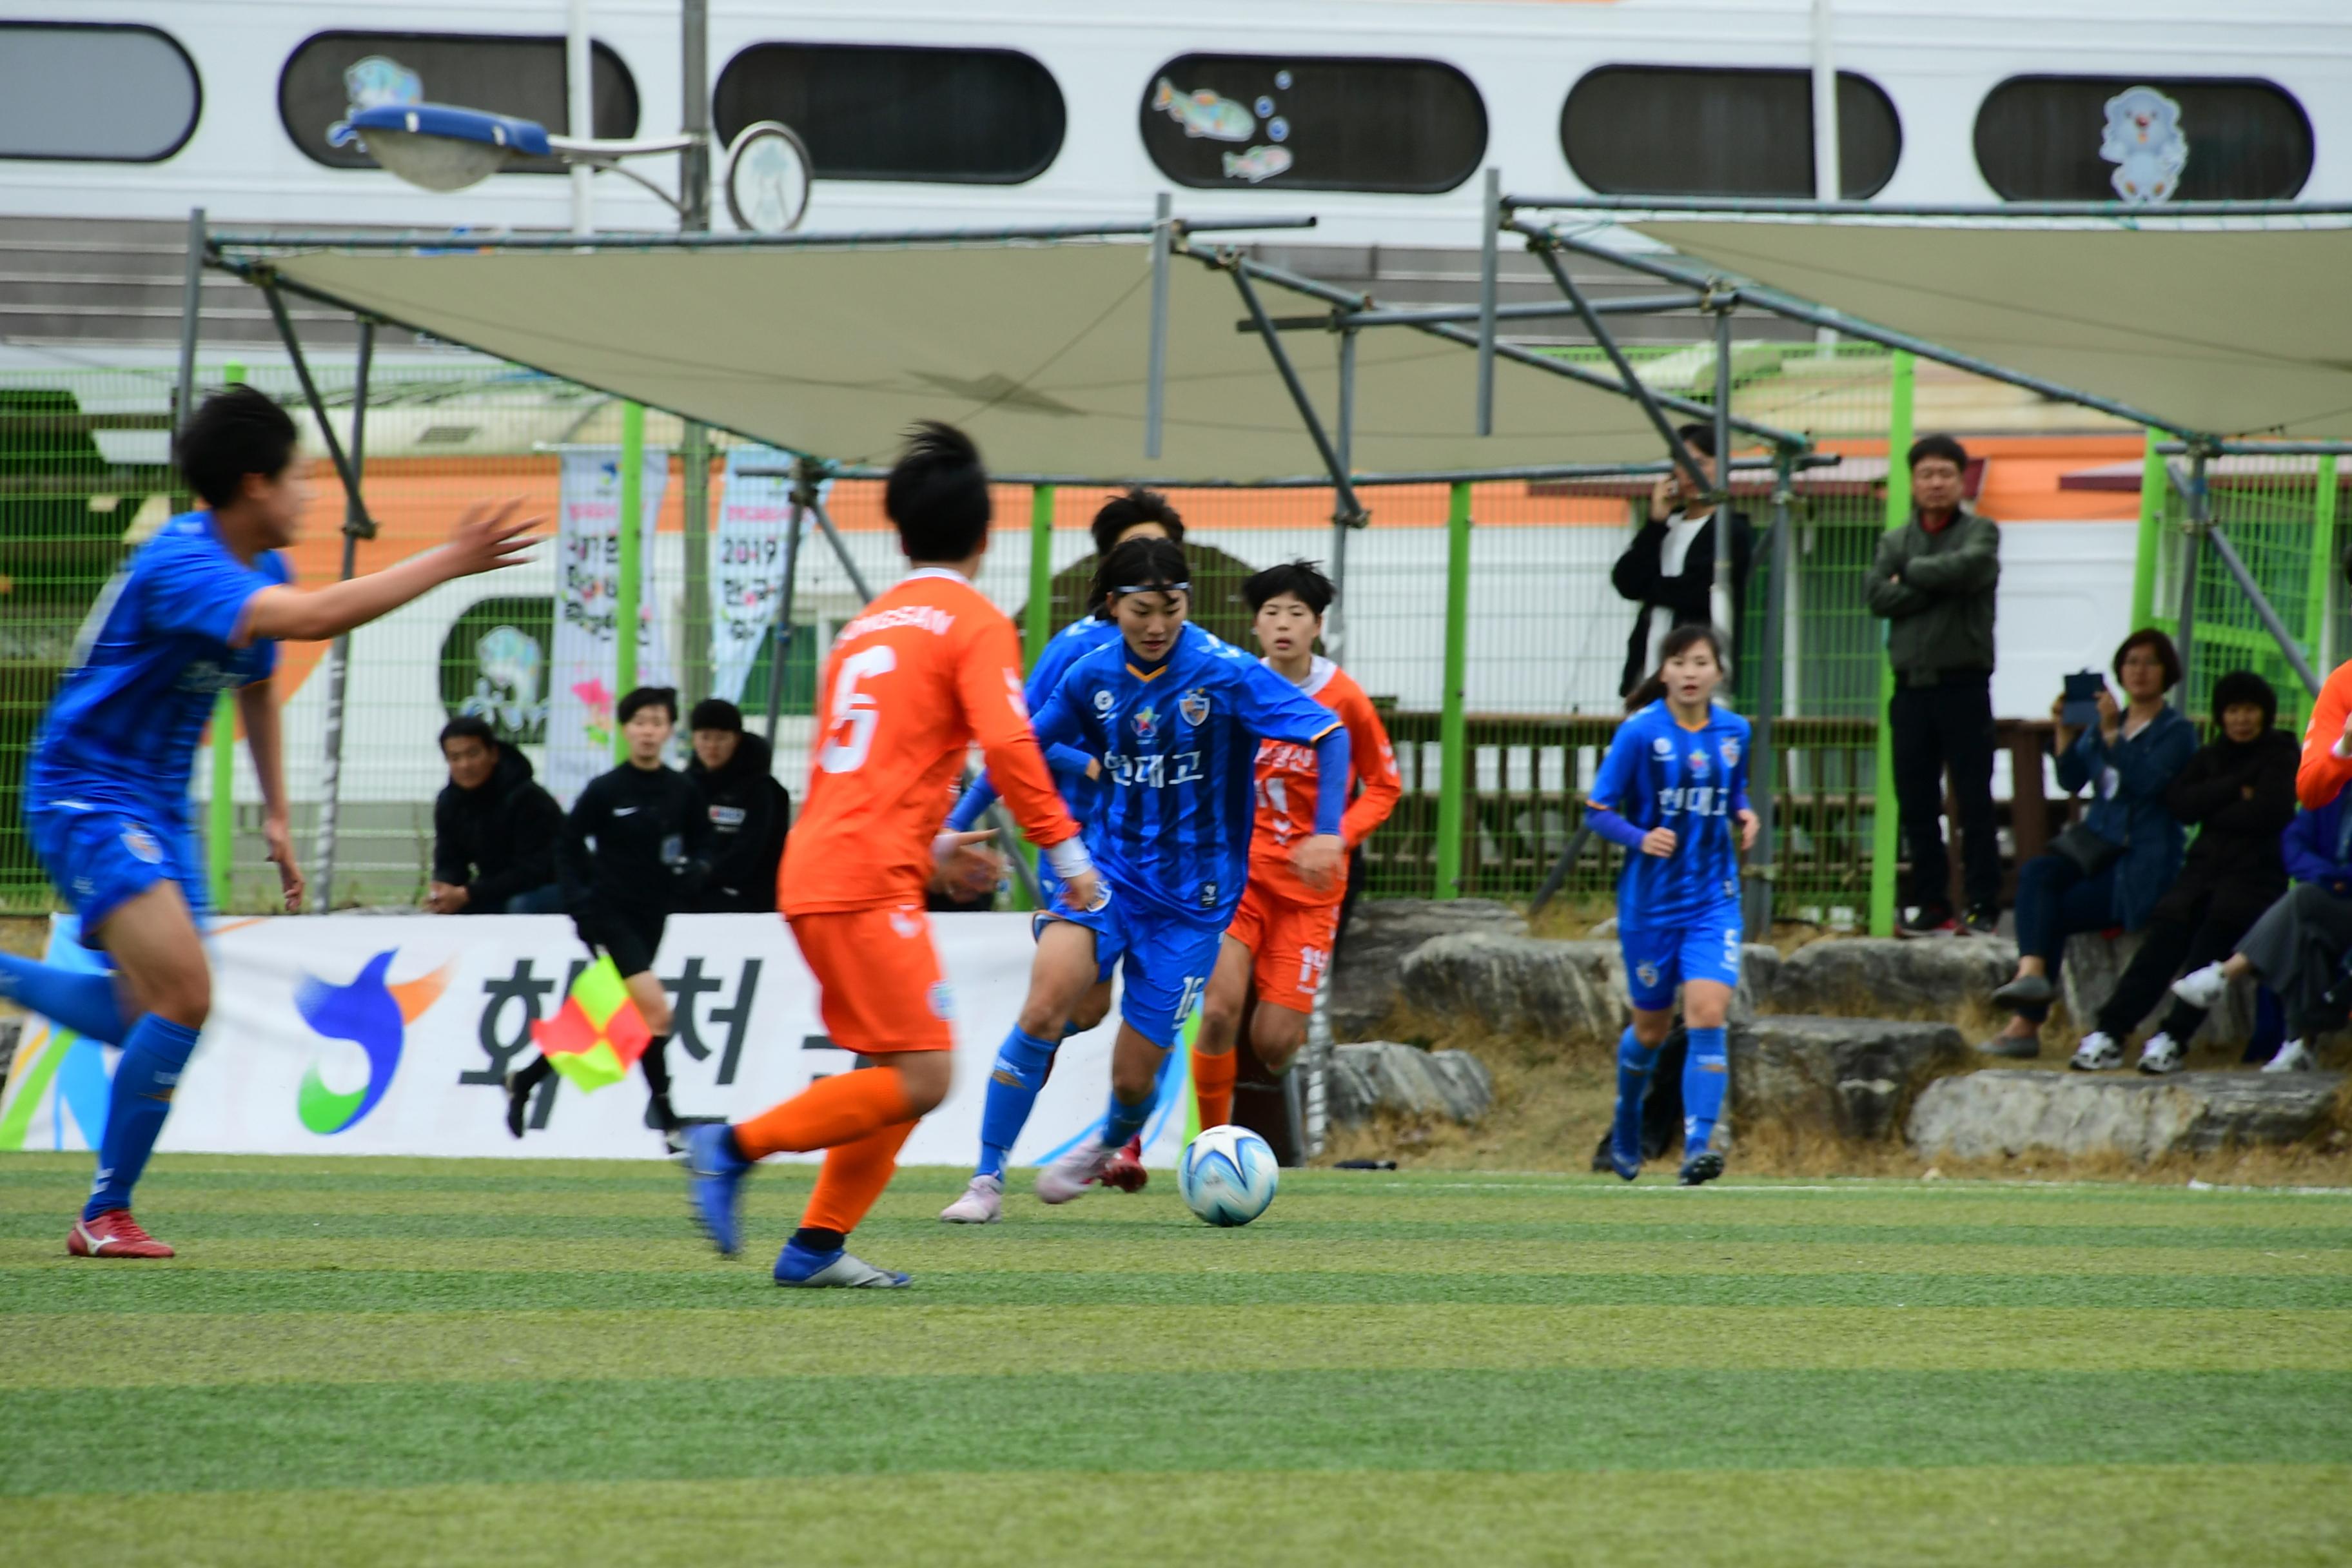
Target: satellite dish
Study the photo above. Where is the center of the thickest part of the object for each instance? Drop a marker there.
(767, 178)
(443, 147)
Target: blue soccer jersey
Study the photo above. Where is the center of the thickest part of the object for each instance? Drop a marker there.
(1659, 774)
(153, 655)
(1073, 643)
(1179, 750)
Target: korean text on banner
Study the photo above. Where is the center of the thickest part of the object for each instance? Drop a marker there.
(580, 697)
(747, 563)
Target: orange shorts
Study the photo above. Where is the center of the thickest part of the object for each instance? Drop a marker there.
(1292, 943)
(877, 977)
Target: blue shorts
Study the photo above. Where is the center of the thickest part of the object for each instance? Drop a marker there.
(101, 850)
(1166, 963)
(1659, 958)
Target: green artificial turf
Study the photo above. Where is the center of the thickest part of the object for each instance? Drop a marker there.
(378, 1361)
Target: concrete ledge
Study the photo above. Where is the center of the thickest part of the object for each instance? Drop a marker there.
(1839, 1078)
(1382, 1075)
(2005, 1112)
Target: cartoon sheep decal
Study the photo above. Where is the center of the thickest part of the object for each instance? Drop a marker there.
(2144, 143)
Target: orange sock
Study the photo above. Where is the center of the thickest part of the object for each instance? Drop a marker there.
(1212, 1087)
(853, 1176)
(826, 1114)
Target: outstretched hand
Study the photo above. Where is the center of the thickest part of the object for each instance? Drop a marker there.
(490, 536)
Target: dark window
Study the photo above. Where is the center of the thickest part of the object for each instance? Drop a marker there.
(2045, 139)
(334, 73)
(868, 111)
(1661, 131)
(1313, 122)
(106, 94)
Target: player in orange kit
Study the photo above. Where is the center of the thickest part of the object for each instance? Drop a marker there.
(1282, 934)
(921, 673)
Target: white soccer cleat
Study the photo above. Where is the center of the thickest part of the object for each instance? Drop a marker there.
(2293, 1056)
(2201, 987)
(2162, 1054)
(982, 1202)
(2097, 1053)
(1073, 1173)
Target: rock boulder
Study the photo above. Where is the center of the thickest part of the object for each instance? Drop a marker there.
(1842, 1078)
(1517, 985)
(1381, 931)
(1383, 1076)
(2002, 1113)
(1882, 977)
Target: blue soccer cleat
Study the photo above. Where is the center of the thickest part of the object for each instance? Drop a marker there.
(714, 1183)
(1700, 1169)
(799, 1268)
(1625, 1161)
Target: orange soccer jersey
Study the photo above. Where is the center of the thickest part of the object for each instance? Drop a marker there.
(1287, 783)
(924, 670)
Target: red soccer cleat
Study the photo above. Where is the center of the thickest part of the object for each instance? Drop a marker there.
(1126, 1170)
(114, 1233)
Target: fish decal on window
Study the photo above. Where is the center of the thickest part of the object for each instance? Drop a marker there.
(1203, 113)
(1258, 165)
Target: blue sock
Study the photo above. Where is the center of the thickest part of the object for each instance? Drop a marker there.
(1706, 1073)
(1013, 1086)
(1634, 1060)
(78, 999)
(1123, 1121)
(153, 1059)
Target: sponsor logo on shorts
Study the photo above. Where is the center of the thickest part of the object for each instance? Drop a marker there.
(908, 923)
(1648, 972)
(942, 1000)
(141, 844)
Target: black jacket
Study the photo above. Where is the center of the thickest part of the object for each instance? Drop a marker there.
(2238, 833)
(499, 839)
(637, 842)
(749, 812)
(1687, 593)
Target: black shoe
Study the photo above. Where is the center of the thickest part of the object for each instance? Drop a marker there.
(518, 1103)
(1929, 922)
(1699, 1169)
(2025, 991)
(2013, 1048)
(1982, 920)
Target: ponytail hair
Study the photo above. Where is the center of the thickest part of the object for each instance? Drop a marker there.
(1682, 639)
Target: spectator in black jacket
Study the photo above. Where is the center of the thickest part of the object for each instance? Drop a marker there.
(748, 811)
(2238, 792)
(1669, 568)
(494, 830)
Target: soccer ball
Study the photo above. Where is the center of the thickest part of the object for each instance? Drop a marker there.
(1227, 1175)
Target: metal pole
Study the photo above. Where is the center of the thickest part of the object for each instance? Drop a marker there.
(2191, 538)
(1452, 746)
(184, 396)
(1489, 265)
(311, 393)
(580, 111)
(356, 527)
(2319, 597)
(2150, 542)
(2264, 610)
(694, 456)
(1155, 384)
(1827, 176)
(1719, 592)
(780, 644)
(1885, 836)
(1557, 877)
(1335, 624)
(694, 100)
(628, 613)
(1633, 384)
(1350, 508)
(841, 552)
(1763, 767)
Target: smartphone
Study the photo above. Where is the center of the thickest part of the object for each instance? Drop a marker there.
(2081, 708)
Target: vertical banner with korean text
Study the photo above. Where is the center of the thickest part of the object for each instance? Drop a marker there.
(747, 563)
(580, 696)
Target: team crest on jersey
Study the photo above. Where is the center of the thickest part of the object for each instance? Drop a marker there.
(1662, 746)
(1146, 723)
(1193, 706)
(1731, 753)
(1104, 702)
(1698, 764)
(141, 843)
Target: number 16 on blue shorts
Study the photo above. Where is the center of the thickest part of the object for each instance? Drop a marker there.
(1659, 958)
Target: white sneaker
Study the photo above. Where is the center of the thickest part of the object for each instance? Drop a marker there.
(2097, 1053)
(2293, 1056)
(1072, 1173)
(2201, 987)
(982, 1202)
(2162, 1054)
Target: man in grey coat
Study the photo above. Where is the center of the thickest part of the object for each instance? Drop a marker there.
(1933, 581)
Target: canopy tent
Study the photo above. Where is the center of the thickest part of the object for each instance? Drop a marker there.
(1041, 350)
(2217, 328)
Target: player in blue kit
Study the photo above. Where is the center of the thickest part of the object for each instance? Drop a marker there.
(196, 611)
(1175, 717)
(1672, 784)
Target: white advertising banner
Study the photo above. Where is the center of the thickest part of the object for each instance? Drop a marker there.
(747, 563)
(580, 694)
(393, 1035)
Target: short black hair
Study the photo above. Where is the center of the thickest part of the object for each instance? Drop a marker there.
(1682, 639)
(937, 494)
(469, 727)
(1938, 446)
(717, 713)
(644, 697)
(1699, 438)
(1303, 580)
(2161, 645)
(1142, 565)
(234, 432)
(1131, 508)
(2244, 688)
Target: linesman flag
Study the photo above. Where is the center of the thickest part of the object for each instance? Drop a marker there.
(598, 1034)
